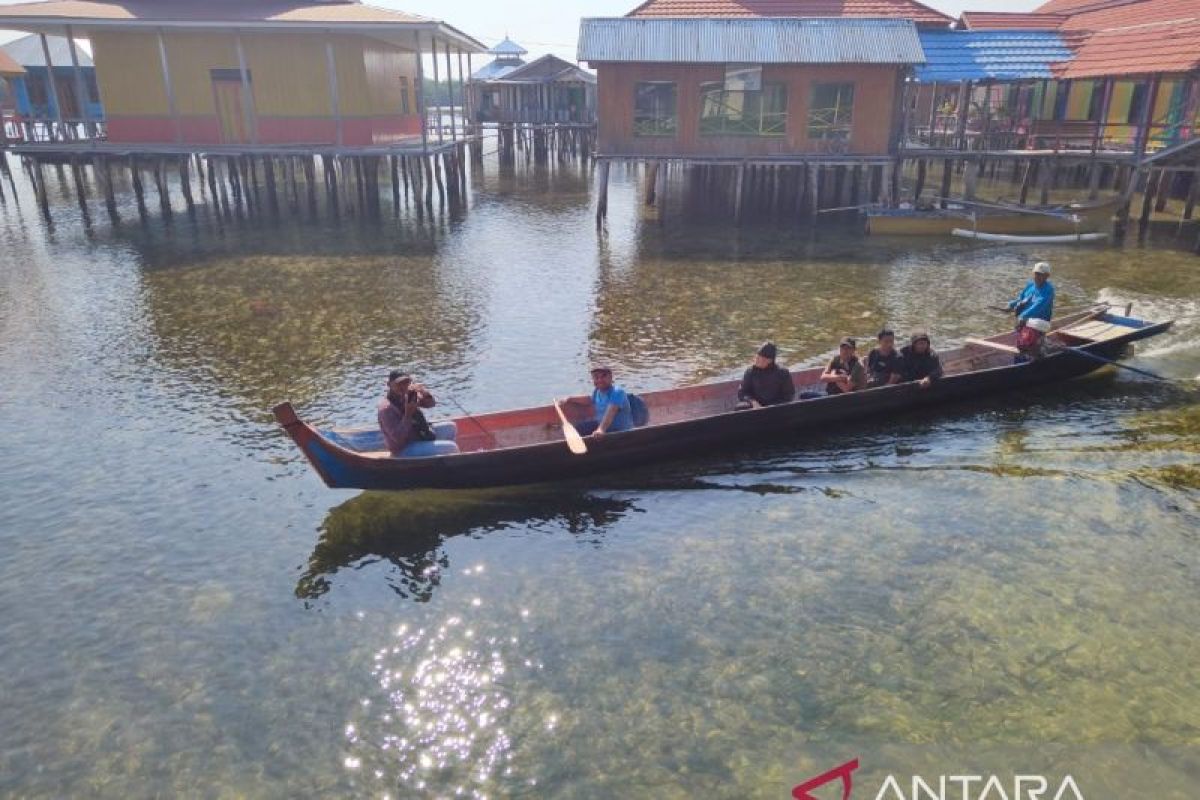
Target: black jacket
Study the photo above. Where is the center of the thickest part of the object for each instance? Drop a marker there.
(916, 367)
(768, 386)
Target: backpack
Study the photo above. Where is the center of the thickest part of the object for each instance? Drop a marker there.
(638, 410)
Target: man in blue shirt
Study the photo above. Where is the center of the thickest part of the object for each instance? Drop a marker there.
(611, 404)
(1036, 300)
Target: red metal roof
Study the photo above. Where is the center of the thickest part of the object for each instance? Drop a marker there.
(1103, 16)
(879, 9)
(313, 11)
(1003, 20)
(1137, 50)
(8, 66)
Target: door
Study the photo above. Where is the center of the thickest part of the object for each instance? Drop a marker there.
(230, 101)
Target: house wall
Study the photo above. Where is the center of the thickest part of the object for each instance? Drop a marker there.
(290, 88)
(875, 98)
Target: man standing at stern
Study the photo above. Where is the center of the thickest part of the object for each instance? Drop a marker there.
(1036, 300)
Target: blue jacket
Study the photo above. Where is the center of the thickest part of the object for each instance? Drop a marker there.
(1034, 302)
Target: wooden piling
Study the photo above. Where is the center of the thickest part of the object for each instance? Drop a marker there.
(947, 175)
(602, 192)
(922, 165)
(185, 184)
(739, 185)
(395, 176)
(814, 194)
(80, 193)
(164, 196)
(100, 166)
(139, 191)
(1193, 196)
(1154, 180)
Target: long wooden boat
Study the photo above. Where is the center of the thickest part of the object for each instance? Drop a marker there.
(1058, 220)
(527, 445)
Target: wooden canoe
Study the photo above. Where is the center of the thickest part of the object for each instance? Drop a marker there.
(527, 446)
(1018, 221)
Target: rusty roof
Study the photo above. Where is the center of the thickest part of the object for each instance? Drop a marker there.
(878, 9)
(8, 66)
(1007, 20)
(267, 14)
(1137, 50)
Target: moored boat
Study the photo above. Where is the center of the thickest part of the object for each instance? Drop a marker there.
(1061, 220)
(527, 445)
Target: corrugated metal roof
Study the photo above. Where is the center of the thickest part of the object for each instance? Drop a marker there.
(496, 69)
(996, 55)
(508, 48)
(874, 9)
(27, 51)
(750, 41)
(550, 69)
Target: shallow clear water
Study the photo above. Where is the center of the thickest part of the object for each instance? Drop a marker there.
(184, 609)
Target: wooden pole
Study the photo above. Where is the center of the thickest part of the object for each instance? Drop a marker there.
(814, 193)
(165, 66)
(164, 197)
(739, 185)
(450, 91)
(81, 91)
(52, 88)
(438, 107)
(420, 90)
(1154, 181)
(602, 192)
(1193, 195)
(100, 166)
(335, 104)
(947, 175)
(185, 183)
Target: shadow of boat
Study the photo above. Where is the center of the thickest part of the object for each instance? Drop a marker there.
(408, 530)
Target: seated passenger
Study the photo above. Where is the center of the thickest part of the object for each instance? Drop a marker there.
(611, 404)
(884, 364)
(921, 363)
(766, 383)
(1031, 340)
(404, 426)
(845, 372)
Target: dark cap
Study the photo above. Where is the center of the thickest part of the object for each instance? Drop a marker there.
(398, 373)
(848, 341)
(600, 368)
(885, 332)
(768, 350)
(918, 336)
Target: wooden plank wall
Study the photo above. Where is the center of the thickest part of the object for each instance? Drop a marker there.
(874, 104)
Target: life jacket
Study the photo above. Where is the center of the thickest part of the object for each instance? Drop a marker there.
(638, 410)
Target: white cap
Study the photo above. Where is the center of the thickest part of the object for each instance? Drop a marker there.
(1040, 325)
(1041, 268)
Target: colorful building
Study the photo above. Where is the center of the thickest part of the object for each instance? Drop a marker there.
(199, 73)
(748, 86)
(72, 99)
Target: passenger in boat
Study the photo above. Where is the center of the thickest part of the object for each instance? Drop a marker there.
(611, 404)
(921, 363)
(884, 364)
(844, 372)
(766, 383)
(404, 426)
(1036, 300)
(1031, 340)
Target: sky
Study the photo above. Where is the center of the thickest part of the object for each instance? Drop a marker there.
(551, 26)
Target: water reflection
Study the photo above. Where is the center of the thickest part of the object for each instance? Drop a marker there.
(408, 530)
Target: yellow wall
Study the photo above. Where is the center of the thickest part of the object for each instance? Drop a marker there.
(288, 73)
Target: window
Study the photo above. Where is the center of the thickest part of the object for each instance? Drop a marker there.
(404, 104)
(831, 113)
(726, 112)
(654, 109)
(1137, 103)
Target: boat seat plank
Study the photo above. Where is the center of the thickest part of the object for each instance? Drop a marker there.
(1096, 330)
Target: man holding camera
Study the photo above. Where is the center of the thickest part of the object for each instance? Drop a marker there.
(404, 426)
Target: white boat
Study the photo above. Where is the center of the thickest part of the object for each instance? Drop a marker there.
(1015, 239)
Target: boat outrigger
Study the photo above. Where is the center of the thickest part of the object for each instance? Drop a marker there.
(527, 445)
(1070, 219)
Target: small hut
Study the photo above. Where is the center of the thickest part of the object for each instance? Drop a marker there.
(546, 90)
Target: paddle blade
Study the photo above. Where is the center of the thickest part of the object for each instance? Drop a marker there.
(574, 440)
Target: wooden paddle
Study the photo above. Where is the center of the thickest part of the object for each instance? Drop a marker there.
(574, 440)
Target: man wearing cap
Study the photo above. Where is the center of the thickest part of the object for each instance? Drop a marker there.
(610, 402)
(845, 372)
(921, 363)
(1036, 300)
(766, 383)
(405, 429)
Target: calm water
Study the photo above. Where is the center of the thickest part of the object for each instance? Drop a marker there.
(185, 610)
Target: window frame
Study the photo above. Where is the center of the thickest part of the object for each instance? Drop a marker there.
(756, 126)
(817, 130)
(661, 126)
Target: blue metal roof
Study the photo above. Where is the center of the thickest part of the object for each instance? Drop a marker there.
(997, 54)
